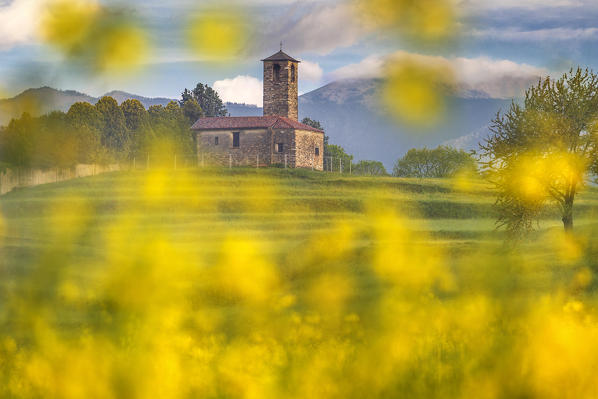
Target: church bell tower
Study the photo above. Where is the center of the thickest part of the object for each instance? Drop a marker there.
(281, 76)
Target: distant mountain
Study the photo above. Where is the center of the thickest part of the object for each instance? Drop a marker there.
(39, 101)
(469, 141)
(235, 109)
(350, 113)
(46, 99)
(147, 102)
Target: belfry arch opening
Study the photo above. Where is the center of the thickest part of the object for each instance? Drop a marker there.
(276, 72)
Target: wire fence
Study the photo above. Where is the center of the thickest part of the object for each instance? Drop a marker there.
(286, 161)
(27, 177)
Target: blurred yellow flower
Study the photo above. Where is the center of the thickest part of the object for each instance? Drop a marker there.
(428, 20)
(67, 23)
(416, 93)
(122, 48)
(218, 34)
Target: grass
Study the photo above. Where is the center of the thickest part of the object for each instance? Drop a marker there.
(288, 283)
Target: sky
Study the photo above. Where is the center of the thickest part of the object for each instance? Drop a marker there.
(500, 48)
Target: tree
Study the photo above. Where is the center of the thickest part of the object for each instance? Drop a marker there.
(434, 163)
(542, 151)
(192, 111)
(115, 135)
(138, 126)
(313, 123)
(207, 98)
(336, 158)
(87, 124)
(369, 168)
(17, 141)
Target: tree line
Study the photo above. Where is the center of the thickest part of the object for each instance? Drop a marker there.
(107, 132)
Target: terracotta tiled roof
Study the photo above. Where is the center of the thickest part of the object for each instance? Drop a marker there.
(250, 122)
(280, 56)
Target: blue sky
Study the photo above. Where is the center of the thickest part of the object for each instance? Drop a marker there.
(501, 48)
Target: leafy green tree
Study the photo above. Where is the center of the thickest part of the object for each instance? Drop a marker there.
(192, 111)
(136, 117)
(313, 123)
(138, 126)
(115, 135)
(335, 157)
(207, 98)
(17, 141)
(170, 124)
(434, 163)
(541, 152)
(87, 124)
(369, 168)
(186, 95)
(56, 144)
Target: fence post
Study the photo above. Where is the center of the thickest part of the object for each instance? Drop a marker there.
(147, 162)
(340, 165)
(134, 163)
(285, 161)
(350, 164)
(230, 161)
(257, 162)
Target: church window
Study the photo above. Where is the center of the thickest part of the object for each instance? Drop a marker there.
(276, 72)
(216, 140)
(236, 141)
(280, 147)
(293, 77)
(317, 151)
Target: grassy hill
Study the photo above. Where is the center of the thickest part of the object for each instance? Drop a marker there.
(284, 205)
(289, 283)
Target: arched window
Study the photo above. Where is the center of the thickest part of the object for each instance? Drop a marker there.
(276, 72)
(293, 77)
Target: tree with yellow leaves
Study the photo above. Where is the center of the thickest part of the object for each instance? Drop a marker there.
(542, 151)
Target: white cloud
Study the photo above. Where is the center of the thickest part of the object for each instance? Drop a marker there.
(323, 30)
(529, 4)
(536, 35)
(496, 78)
(18, 22)
(242, 89)
(370, 67)
(310, 71)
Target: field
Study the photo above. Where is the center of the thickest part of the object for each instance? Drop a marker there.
(287, 283)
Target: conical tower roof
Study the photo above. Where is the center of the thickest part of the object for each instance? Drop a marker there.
(280, 56)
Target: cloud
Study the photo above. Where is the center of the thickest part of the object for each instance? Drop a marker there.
(319, 28)
(310, 71)
(495, 78)
(369, 67)
(536, 35)
(242, 89)
(17, 22)
(530, 4)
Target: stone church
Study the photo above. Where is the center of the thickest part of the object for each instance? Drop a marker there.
(275, 138)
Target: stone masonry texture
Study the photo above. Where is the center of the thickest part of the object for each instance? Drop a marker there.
(281, 94)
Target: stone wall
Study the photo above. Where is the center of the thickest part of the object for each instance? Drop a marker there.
(306, 143)
(286, 137)
(298, 148)
(281, 96)
(13, 178)
(254, 145)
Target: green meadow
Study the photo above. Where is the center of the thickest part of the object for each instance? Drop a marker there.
(197, 207)
(245, 283)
